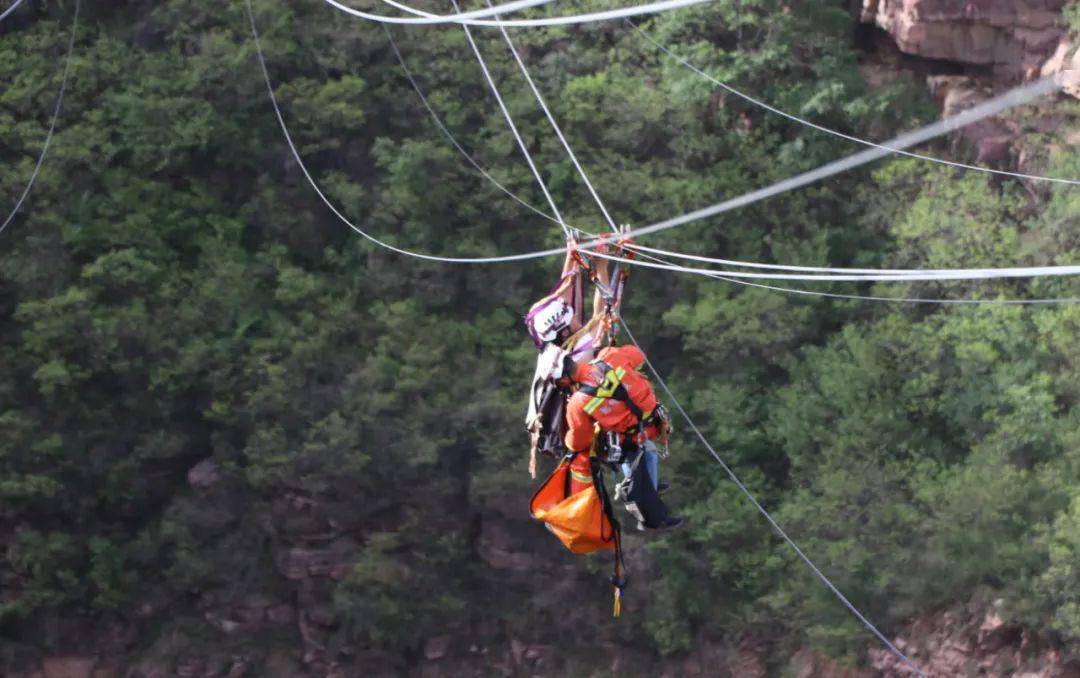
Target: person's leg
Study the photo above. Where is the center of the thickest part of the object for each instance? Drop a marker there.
(580, 473)
(652, 462)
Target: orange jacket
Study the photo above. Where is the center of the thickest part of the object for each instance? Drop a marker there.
(612, 415)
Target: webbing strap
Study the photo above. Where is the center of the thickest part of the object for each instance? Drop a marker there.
(618, 574)
(611, 387)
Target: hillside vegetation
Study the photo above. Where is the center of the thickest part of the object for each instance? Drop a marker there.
(174, 292)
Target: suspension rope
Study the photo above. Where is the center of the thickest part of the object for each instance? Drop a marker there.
(330, 205)
(897, 300)
(11, 9)
(55, 115)
(650, 8)
(1014, 97)
(761, 509)
(643, 251)
(439, 123)
(826, 130)
(513, 127)
(956, 274)
(1016, 272)
(431, 19)
(555, 126)
(938, 128)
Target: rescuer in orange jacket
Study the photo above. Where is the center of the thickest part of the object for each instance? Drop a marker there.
(612, 414)
(612, 396)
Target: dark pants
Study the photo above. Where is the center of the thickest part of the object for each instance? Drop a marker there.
(638, 491)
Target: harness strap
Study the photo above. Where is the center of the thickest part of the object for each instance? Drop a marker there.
(613, 388)
(618, 579)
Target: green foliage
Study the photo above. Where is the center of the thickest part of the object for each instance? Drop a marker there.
(173, 292)
(402, 589)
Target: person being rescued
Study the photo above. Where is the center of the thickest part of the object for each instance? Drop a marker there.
(562, 421)
(615, 417)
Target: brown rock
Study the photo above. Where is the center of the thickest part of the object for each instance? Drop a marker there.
(300, 563)
(191, 667)
(204, 475)
(68, 667)
(499, 549)
(280, 614)
(322, 615)
(239, 667)
(1011, 36)
(436, 647)
(1065, 64)
(807, 664)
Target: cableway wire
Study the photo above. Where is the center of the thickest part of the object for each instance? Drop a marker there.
(1014, 97)
(650, 8)
(761, 509)
(11, 9)
(950, 274)
(555, 126)
(513, 127)
(434, 19)
(896, 300)
(937, 128)
(826, 130)
(55, 116)
(330, 205)
(643, 252)
(449, 135)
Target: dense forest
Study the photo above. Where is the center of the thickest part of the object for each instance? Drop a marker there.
(236, 438)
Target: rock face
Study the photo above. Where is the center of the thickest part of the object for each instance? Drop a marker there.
(973, 642)
(1011, 38)
(1065, 63)
(970, 49)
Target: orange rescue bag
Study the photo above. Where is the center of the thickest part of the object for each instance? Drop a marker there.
(578, 520)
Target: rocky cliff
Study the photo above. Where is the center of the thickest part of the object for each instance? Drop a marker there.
(970, 49)
(1011, 39)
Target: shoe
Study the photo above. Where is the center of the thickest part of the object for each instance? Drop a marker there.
(670, 523)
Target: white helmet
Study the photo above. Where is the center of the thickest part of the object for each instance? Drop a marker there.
(552, 319)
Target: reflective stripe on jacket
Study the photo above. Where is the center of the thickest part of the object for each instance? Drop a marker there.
(612, 415)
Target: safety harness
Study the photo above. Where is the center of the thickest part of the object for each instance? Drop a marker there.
(611, 387)
(584, 522)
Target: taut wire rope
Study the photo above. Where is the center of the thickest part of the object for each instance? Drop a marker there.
(650, 8)
(821, 128)
(52, 123)
(449, 135)
(1014, 97)
(555, 126)
(761, 509)
(9, 10)
(950, 274)
(513, 127)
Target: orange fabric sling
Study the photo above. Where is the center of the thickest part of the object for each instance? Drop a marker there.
(578, 520)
